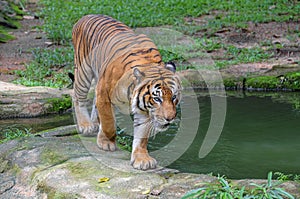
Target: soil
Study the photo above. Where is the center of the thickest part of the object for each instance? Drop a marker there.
(15, 54)
(280, 38)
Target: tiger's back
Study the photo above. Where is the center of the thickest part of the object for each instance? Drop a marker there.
(98, 40)
(129, 71)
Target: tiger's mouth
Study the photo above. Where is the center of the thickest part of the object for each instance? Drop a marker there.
(161, 126)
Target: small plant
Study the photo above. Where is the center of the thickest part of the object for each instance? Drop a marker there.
(49, 68)
(225, 190)
(287, 177)
(269, 190)
(59, 105)
(124, 141)
(14, 133)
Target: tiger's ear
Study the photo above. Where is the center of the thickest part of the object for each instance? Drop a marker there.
(138, 74)
(170, 66)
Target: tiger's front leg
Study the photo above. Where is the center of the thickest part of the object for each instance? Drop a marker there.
(140, 158)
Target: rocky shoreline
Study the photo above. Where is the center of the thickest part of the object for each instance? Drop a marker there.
(61, 164)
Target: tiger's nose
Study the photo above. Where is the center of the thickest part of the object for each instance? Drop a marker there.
(170, 118)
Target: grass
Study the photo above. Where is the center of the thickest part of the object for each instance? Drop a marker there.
(235, 55)
(60, 16)
(14, 133)
(222, 188)
(50, 67)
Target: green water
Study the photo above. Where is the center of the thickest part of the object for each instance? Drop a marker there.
(261, 133)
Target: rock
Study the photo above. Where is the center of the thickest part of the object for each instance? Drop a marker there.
(21, 101)
(64, 165)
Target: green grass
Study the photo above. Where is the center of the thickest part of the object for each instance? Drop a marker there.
(14, 133)
(287, 177)
(48, 68)
(223, 189)
(235, 55)
(61, 15)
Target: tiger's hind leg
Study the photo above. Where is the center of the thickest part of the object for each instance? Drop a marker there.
(81, 88)
(106, 138)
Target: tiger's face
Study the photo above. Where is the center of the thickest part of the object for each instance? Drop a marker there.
(162, 104)
(157, 96)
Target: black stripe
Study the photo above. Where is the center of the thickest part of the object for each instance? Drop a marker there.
(144, 96)
(91, 36)
(125, 65)
(129, 90)
(139, 124)
(138, 98)
(171, 83)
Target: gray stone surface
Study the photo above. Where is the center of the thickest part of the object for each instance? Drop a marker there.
(21, 101)
(61, 164)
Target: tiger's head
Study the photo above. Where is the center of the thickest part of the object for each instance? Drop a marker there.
(156, 95)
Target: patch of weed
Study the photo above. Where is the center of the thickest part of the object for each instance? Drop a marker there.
(287, 177)
(49, 68)
(222, 188)
(59, 105)
(235, 55)
(14, 133)
(291, 81)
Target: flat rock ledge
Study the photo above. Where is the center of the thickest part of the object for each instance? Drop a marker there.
(21, 101)
(59, 163)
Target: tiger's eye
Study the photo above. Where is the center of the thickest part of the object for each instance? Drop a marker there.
(174, 97)
(157, 99)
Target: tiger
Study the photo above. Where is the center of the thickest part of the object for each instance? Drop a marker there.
(130, 75)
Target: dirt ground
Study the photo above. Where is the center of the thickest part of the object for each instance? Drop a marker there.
(16, 53)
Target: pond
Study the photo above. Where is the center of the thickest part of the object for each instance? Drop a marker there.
(261, 133)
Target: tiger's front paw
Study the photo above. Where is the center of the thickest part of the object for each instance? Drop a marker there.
(143, 161)
(104, 143)
(88, 129)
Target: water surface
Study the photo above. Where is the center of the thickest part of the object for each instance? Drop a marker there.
(261, 134)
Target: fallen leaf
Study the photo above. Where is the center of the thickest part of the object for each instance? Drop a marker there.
(28, 17)
(104, 179)
(146, 192)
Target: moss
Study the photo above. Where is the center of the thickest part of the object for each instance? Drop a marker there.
(85, 170)
(263, 82)
(82, 169)
(4, 165)
(233, 83)
(51, 157)
(291, 81)
(53, 193)
(59, 105)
